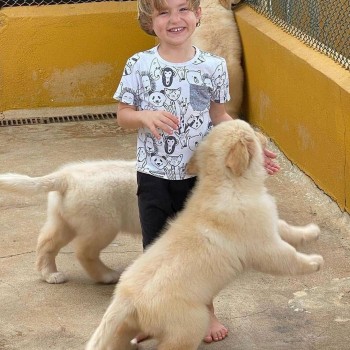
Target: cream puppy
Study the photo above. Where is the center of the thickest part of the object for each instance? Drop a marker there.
(229, 224)
(90, 203)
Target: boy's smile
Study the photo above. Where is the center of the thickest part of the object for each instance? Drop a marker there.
(176, 29)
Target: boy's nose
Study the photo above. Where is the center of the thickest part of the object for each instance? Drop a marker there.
(175, 16)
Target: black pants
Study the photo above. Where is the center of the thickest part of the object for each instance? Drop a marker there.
(158, 200)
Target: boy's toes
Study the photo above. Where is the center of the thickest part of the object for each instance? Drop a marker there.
(208, 339)
(217, 332)
(219, 335)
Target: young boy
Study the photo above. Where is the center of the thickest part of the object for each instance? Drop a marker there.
(173, 94)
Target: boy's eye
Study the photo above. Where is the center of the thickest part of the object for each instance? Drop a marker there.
(183, 9)
(163, 12)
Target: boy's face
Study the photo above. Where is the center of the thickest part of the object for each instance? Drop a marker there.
(175, 24)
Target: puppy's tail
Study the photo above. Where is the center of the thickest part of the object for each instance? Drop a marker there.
(117, 328)
(27, 185)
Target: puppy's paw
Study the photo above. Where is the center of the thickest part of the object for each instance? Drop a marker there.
(134, 344)
(316, 262)
(55, 278)
(312, 233)
(111, 277)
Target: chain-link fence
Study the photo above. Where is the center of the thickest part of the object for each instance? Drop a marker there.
(13, 3)
(321, 24)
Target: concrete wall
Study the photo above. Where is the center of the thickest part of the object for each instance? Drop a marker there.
(65, 55)
(301, 98)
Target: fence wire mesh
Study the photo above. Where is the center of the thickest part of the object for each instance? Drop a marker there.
(13, 3)
(321, 24)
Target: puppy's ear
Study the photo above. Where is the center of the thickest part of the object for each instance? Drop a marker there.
(239, 157)
(192, 168)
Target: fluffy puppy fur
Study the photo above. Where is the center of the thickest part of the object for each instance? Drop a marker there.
(218, 34)
(229, 224)
(89, 202)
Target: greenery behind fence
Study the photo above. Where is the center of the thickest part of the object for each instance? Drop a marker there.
(321, 24)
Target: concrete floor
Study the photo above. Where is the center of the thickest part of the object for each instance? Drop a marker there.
(261, 311)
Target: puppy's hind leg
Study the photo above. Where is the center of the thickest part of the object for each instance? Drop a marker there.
(185, 328)
(89, 257)
(116, 330)
(298, 235)
(118, 339)
(54, 235)
(170, 344)
(91, 239)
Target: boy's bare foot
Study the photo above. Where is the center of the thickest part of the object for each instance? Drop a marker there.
(216, 331)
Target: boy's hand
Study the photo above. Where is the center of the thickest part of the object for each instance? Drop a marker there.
(270, 166)
(155, 120)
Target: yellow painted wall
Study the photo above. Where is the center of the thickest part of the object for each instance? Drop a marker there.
(300, 98)
(73, 55)
(66, 55)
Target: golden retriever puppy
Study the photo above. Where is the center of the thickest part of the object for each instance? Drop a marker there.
(229, 224)
(218, 34)
(89, 202)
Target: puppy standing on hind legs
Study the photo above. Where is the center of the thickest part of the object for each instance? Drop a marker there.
(164, 293)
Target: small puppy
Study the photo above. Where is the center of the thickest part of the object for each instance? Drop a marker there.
(229, 224)
(89, 202)
(218, 34)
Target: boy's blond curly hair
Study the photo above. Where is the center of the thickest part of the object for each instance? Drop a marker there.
(146, 7)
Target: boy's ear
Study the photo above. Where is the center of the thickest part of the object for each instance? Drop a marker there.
(198, 13)
(192, 167)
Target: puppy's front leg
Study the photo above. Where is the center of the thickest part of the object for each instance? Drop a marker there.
(298, 235)
(280, 258)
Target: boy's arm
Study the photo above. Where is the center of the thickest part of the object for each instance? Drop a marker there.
(129, 118)
(218, 113)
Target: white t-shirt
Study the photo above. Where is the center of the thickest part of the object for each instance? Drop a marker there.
(185, 90)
